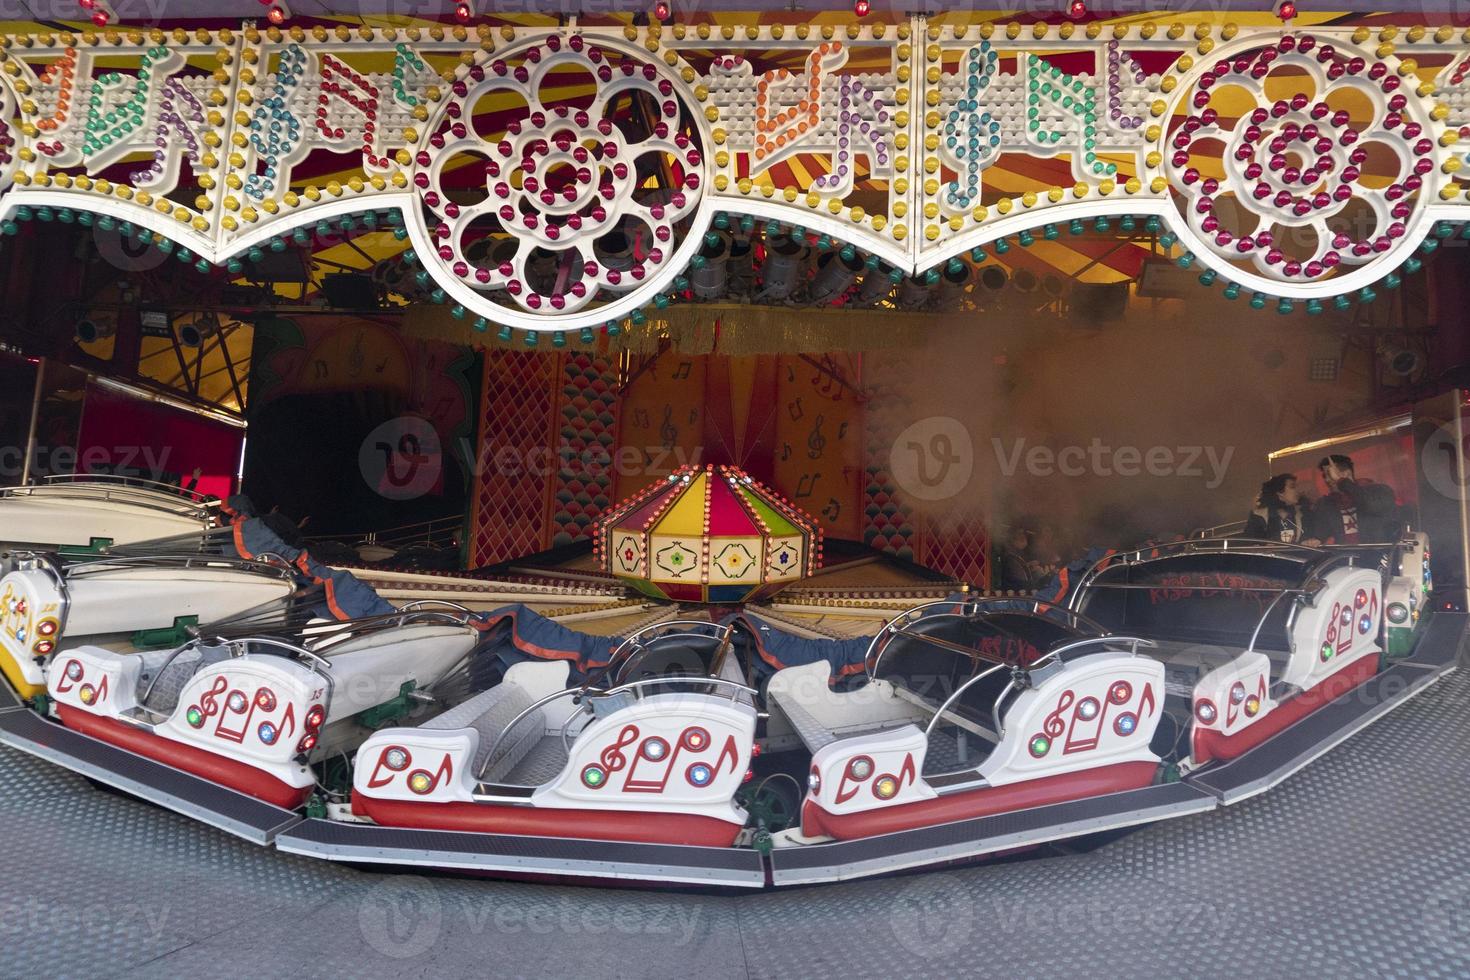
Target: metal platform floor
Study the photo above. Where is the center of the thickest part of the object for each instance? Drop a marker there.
(1357, 866)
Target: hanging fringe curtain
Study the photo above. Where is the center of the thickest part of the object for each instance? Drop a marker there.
(709, 328)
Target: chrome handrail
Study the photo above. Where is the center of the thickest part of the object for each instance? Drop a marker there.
(168, 661)
(1217, 530)
(322, 664)
(1261, 623)
(164, 500)
(967, 608)
(1134, 643)
(1165, 549)
(633, 687)
(634, 644)
(137, 482)
(636, 686)
(943, 708)
(667, 624)
(180, 561)
(418, 604)
(995, 716)
(525, 712)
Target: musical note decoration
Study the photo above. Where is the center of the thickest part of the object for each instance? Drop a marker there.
(816, 443)
(710, 534)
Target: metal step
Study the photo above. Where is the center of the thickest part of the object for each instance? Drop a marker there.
(1294, 747)
(9, 701)
(232, 812)
(1439, 647)
(668, 863)
(842, 860)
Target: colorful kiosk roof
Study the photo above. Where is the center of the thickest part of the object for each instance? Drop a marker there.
(708, 534)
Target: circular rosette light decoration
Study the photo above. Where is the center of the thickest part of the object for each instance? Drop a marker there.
(9, 159)
(557, 183)
(1301, 165)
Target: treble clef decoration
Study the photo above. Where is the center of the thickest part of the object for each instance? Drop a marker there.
(208, 705)
(1053, 724)
(816, 442)
(668, 432)
(612, 757)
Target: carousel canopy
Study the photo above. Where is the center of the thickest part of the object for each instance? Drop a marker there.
(709, 534)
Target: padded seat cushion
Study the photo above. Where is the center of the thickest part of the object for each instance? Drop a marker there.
(812, 732)
(488, 713)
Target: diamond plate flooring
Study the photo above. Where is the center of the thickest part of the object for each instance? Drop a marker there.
(1358, 866)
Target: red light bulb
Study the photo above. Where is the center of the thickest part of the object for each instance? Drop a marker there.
(861, 7)
(100, 18)
(1286, 10)
(276, 16)
(661, 10)
(462, 13)
(1077, 9)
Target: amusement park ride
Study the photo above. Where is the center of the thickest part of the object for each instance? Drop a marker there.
(713, 696)
(759, 729)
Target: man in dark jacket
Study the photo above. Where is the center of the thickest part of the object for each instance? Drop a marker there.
(1353, 511)
(1013, 567)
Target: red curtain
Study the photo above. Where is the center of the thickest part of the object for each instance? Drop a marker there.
(122, 433)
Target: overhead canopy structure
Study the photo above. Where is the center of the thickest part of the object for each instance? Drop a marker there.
(569, 177)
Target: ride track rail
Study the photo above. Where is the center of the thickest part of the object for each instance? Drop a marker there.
(737, 867)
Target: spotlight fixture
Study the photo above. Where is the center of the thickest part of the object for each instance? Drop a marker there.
(195, 334)
(836, 271)
(783, 269)
(661, 10)
(861, 7)
(93, 329)
(462, 12)
(1077, 9)
(877, 284)
(1285, 9)
(710, 273)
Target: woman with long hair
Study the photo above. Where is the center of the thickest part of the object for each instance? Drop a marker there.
(1278, 514)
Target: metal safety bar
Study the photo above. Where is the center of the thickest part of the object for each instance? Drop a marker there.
(970, 608)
